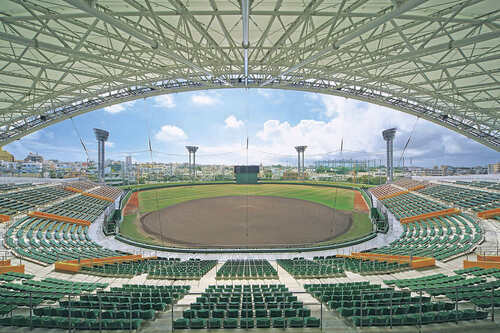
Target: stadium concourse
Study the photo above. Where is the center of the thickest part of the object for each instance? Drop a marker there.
(60, 270)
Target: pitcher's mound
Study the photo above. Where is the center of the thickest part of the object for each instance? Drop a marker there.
(246, 221)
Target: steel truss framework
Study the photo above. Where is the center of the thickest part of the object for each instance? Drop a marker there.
(439, 60)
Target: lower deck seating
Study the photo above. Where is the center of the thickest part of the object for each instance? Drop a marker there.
(368, 267)
(477, 289)
(125, 307)
(48, 241)
(13, 276)
(36, 294)
(233, 306)
(364, 304)
(333, 266)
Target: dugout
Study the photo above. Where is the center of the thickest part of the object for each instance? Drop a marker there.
(246, 174)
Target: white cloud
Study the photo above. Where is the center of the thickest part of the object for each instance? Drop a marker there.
(204, 99)
(232, 122)
(333, 105)
(358, 124)
(166, 101)
(109, 144)
(169, 133)
(117, 108)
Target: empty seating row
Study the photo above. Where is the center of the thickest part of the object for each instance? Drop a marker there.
(476, 200)
(370, 305)
(23, 200)
(192, 269)
(48, 241)
(384, 190)
(107, 191)
(80, 207)
(130, 268)
(301, 268)
(247, 269)
(441, 237)
(409, 204)
(233, 323)
(419, 318)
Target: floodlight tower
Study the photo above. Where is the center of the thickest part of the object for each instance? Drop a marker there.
(388, 135)
(102, 137)
(300, 166)
(192, 160)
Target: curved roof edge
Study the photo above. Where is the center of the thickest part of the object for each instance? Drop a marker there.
(48, 117)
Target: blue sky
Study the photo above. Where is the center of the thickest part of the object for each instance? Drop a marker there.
(219, 121)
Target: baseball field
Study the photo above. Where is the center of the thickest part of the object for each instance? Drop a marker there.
(230, 215)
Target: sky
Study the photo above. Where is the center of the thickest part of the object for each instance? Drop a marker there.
(274, 121)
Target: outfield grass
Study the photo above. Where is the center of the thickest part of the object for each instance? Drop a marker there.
(338, 198)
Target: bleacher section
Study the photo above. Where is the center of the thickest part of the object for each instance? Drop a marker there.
(47, 241)
(21, 201)
(107, 191)
(13, 186)
(441, 237)
(156, 268)
(82, 185)
(247, 306)
(384, 190)
(476, 200)
(301, 268)
(192, 269)
(35, 293)
(410, 184)
(364, 304)
(409, 204)
(81, 207)
(13, 276)
(369, 267)
(125, 307)
(247, 269)
(475, 289)
(54, 234)
(481, 184)
(335, 266)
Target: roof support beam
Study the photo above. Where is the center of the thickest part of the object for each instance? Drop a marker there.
(244, 16)
(303, 17)
(403, 8)
(135, 33)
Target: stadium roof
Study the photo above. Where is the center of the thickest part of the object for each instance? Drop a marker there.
(436, 59)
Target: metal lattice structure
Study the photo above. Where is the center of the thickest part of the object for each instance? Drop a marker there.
(436, 59)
